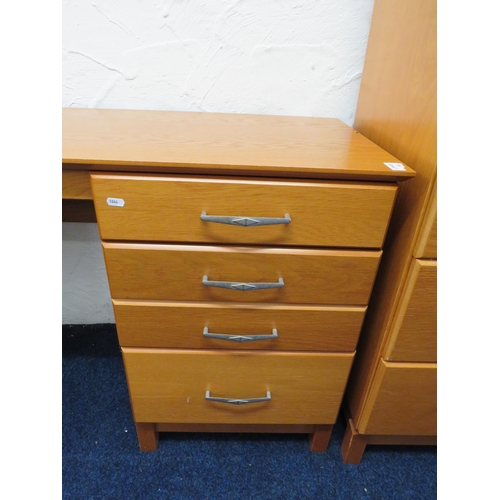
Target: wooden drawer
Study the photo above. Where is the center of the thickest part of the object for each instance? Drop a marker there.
(426, 244)
(333, 214)
(170, 386)
(175, 272)
(414, 332)
(182, 324)
(403, 400)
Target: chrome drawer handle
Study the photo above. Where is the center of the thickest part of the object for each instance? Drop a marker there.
(243, 287)
(239, 338)
(232, 401)
(245, 221)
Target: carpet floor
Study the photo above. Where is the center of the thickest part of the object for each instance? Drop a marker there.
(101, 457)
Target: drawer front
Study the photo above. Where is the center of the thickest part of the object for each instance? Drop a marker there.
(426, 244)
(414, 335)
(183, 324)
(403, 400)
(176, 272)
(171, 386)
(169, 209)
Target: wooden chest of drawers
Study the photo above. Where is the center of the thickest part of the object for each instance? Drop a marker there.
(239, 277)
(391, 397)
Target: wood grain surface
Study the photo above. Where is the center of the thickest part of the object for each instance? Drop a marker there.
(191, 141)
(403, 400)
(170, 386)
(426, 245)
(165, 208)
(76, 185)
(175, 272)
(397, 110)
(181, 324)
(413, 336)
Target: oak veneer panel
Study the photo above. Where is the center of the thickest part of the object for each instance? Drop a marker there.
(414, 330)
(403, 400)
(163, 141)
(167, 208)
(430, 249)
(175, 272)
(181, 324)
(397, 99)
(426, 246)
(397, 110)
(169, 386)
(76, 185)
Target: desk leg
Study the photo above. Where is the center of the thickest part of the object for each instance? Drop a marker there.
(353, 445)
(319, 439)
(147, 435)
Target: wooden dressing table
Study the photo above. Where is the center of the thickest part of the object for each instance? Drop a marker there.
(241, 252)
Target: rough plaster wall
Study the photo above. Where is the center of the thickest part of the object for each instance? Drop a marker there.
(241, 56)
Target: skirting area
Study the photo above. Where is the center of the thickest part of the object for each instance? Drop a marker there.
(101, 458)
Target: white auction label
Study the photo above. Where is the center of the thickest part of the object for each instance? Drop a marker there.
(115, 202)
(395, 166)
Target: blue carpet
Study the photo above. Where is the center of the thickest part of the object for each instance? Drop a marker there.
(101, 458)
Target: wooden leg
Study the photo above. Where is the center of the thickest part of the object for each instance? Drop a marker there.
(148, 436)
(353, 445)
(319, 439)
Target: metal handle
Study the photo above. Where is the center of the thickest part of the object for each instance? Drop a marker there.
(239, 338)
(245, 221)
(232, 401)
(243, 287)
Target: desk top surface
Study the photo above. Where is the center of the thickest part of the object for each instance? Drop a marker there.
(189, 142)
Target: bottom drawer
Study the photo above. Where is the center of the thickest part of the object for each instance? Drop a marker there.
(170, 386)
(403, 400)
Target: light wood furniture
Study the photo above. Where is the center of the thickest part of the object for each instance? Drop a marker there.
(242, 326)
(391, 396)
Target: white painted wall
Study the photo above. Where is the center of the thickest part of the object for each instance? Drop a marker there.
(240, 56)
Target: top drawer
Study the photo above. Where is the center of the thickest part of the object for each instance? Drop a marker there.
(163, 208)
